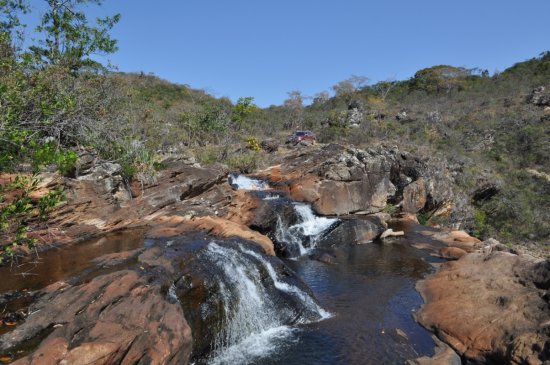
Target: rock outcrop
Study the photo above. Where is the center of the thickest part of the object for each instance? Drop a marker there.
(491, 307)
(115, 318)
(336, 180)
(539, 97)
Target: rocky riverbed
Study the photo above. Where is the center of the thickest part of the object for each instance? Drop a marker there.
(182, 267)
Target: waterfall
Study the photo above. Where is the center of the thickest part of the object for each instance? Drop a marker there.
(305, 298)
(303, 236)
(257, 308)
(242, 182)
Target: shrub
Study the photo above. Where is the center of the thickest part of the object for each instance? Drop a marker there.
(17, 212)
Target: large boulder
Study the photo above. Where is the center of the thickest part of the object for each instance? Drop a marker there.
(352, 231)
(491, 307)
(336, 180)
(414, 196)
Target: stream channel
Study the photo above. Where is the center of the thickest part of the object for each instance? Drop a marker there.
(361, 303)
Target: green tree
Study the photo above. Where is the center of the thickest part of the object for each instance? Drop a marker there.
(11, 29)
(70, 39)
(242, 110)
(440, 78)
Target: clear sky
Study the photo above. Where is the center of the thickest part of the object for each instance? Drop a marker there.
(264, 48)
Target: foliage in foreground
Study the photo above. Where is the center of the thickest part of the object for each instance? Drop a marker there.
(18, 209)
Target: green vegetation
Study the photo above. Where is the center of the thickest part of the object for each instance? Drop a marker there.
(55, 99)
(18, 209)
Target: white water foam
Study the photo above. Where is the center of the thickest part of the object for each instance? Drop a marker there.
(290, 289)
(255, 346)
(309, 228)
(246, 183)
(253, 324)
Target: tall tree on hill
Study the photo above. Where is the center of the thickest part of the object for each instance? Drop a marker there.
(11, 29)
(70, 40)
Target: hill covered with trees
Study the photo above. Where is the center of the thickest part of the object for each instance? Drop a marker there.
(491, 131)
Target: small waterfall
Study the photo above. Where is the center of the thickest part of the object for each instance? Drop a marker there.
(242, 182)
(257, 309)
(303, 236)
(305, 298)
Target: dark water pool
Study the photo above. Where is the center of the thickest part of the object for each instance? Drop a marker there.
(370, 289)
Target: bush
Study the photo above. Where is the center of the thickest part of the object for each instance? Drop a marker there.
(245, 162)
(17, 212)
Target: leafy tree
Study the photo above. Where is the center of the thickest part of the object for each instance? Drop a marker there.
(11, 28)
(440, 78)
(9, 15)
(69, 38)
(245, 107)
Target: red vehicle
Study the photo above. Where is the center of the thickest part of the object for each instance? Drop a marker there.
(302, 136)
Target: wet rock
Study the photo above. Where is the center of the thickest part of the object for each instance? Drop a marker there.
(323, 257)
(490, 308)
(215, 279)
(352, 231)
(136, 314)
(92, 323)
(171, 226)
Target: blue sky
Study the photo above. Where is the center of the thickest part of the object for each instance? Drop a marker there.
(266, 48)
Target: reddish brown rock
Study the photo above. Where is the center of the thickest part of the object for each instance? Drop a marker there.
(451, 253)
(336, 180)
(170, 226)
(490, 308)
(114, 319)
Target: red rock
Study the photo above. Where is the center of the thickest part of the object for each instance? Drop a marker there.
(114, 319)
(489, 308)
(451, 253)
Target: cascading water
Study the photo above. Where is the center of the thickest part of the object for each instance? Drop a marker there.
(246, 183)
(257, 308)
(303, 236)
